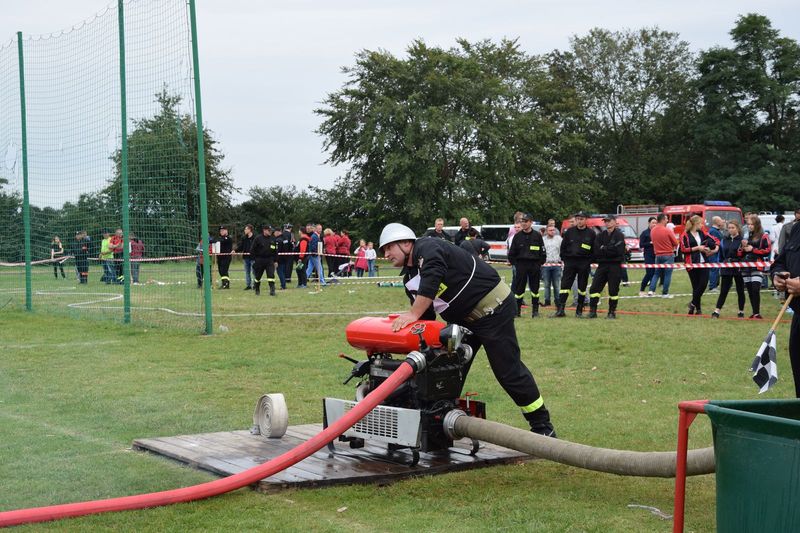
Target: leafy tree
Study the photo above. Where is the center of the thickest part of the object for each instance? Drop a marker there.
(163, 177)
(458, 132)
(638, 101)
(748, 130)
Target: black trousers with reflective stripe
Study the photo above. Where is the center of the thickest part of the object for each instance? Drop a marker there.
(497, 335)
(262, 265)
(610, 273)
(528, 272)
(223, 264)
(572, 270)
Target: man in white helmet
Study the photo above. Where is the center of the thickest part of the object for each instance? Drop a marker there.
(446, 279)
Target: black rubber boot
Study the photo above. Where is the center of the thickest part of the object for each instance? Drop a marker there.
(272, 288)
(593, 308)
(560, 303)
(612, 310)
(579, 307)
(519, 306)
(535, 308)
(257, 287)
(539, 421)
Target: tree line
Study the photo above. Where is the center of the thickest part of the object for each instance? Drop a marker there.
(484, 129)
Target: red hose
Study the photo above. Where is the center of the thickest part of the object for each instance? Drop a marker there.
(219, 486)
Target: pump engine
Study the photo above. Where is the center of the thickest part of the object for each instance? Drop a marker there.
(411, 417)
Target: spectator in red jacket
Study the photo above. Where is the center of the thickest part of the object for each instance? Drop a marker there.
(343, 249)
(330, 243)
(302, 257)
(664, 244)
(757, 247)
(696, 246)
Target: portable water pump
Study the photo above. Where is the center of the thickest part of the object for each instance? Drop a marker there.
(413, 416)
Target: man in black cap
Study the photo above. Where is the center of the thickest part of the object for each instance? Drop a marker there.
(577, 249)
(609, 251)
(286, 245)
(224, 257)
(527, 254)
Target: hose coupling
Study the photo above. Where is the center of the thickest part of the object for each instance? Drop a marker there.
(449, 423)
(417, 360)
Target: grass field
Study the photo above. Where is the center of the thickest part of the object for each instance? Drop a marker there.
(75, 392)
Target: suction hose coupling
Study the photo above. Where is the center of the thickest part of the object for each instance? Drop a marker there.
(449, 423)
(417, 361)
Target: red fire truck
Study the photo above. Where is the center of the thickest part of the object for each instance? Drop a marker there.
(679, 214)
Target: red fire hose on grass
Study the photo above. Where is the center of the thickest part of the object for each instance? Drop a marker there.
(414, 363)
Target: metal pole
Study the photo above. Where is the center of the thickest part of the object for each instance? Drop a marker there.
(201, 170)
(26, 206)
(124, 196)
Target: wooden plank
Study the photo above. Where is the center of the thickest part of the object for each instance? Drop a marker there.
(230, 452)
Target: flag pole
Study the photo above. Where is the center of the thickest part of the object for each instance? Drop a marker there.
(782, 311)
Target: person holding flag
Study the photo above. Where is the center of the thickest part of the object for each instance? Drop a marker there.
(785, 273)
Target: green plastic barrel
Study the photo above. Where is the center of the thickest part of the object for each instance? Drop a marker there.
(757, 450)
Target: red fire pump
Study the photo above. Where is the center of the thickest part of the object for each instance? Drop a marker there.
(412, 417)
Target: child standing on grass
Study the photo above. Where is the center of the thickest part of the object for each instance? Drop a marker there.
(56, 252)
(361, 258)
(371, 255)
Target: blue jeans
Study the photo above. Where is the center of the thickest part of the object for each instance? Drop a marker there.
(665, 273)
(109, 271)
(551, 277)
(713, 273)
(315, 262)
(248, 269)
(371, 263)
(648, 272)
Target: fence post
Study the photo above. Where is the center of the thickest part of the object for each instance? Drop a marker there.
(124, 195)
(201, 171)
(26, 205)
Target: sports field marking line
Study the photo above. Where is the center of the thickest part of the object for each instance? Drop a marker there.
(59, 345)
(49, 428)
(110, 298)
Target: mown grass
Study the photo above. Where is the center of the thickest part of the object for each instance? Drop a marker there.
(74, 393)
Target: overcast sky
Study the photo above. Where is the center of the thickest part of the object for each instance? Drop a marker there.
(265, 65)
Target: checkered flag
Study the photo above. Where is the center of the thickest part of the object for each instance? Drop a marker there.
(765, 365)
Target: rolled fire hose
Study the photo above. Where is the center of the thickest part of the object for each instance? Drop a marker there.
(623, 462)
(270, 417)
(415, 362)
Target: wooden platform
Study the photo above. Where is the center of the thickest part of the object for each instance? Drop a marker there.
(230, 452)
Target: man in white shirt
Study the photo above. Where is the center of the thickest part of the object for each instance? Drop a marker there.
(551, 273)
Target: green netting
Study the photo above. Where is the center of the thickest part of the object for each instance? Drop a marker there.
(74, 106)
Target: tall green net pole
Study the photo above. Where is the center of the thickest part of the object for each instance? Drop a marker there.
(124, 201)
(201, 165)
(26, 207)
(110, 104)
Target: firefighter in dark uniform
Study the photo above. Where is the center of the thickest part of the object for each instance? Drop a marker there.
(446, 279)
(224, 259)
(286, 244)
(80, 251)
(527, 254)
(785, 274)
(609, 251)
(265, 254)
(577, 249)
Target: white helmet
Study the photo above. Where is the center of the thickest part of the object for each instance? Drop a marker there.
(395, 232)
